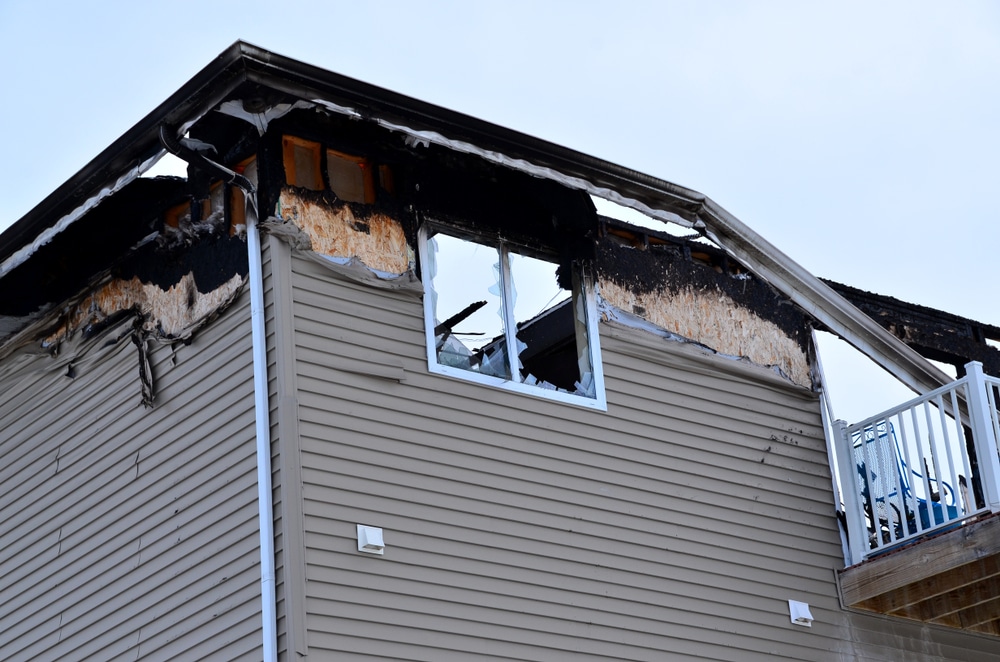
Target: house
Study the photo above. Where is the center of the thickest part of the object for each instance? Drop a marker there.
(375, 380)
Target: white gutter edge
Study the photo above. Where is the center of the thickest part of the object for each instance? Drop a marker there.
(737, 239)
(265, 503)
(820, 300)
(21, 255)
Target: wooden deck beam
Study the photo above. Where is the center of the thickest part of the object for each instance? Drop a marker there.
(951, 579)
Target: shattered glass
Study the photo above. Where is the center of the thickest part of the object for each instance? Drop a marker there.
(486, 299)
(468, 307)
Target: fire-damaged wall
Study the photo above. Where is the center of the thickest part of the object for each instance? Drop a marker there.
(319, 210)
(338, 229)
(173, 289)
(728, 311)
(123, 259)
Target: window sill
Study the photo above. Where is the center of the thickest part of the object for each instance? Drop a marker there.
(598, 402)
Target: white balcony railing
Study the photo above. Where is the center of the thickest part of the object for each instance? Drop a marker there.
(922, 467)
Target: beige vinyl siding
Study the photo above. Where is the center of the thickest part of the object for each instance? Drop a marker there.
(285, 465)
(131, 533)
(674, 526)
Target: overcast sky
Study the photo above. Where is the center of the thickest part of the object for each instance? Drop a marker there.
(861, 138)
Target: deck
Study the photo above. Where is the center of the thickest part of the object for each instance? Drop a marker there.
(921, 497)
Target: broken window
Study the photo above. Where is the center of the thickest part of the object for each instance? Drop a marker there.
(504, 315)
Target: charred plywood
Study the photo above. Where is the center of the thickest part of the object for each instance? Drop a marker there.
(174, 285)
(171, 313)
(61, 267)
(340, 230)
(170, 281)
(121, 257)
(730, 313)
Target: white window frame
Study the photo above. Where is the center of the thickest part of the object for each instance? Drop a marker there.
(599, 400)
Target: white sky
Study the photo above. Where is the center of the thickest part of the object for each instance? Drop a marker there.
(860, 138)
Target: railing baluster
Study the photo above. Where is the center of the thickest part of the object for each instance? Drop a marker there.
(920, 453)
(985, 432)
(901, 423)
(893, 482)
(935, 463)
(916, 451)
(963, 449)
(949, 451)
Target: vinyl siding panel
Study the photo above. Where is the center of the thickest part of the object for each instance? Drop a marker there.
(131, 533)
(285, 465)
(676, 525)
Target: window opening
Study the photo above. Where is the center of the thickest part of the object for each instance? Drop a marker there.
(386, 180)
(495, 311)
(302, 163)
(350, 177)
(178, 214)
(215, 202)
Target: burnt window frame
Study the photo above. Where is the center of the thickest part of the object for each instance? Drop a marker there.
(584, 289)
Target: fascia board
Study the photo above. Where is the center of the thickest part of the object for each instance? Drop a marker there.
(245, 62)
(204, 91)
(821, 301)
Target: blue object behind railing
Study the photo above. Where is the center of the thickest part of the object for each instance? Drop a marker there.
(885, 473)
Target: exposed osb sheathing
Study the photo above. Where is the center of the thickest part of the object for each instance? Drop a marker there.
(170, 313)
(714, 320)
(376, 239)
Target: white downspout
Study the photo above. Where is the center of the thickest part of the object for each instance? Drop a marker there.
(258, 342)
(264, 492)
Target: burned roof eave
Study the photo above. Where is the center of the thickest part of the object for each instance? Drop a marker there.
(244, 62)
(821, 301)
(205, 90)
(309, 82)
(759, 255)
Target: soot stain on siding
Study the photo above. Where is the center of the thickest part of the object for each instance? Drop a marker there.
(172, 287)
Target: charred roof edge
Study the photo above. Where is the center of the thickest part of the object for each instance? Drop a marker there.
(140, 143)
(243, 61)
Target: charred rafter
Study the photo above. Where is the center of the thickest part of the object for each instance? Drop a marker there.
(935, 334)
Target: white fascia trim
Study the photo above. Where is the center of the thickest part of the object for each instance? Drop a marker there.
(752, 250)
(23, 254)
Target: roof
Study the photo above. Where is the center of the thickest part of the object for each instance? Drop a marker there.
(244, 70)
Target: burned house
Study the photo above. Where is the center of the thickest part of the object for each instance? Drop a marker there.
(376, 379)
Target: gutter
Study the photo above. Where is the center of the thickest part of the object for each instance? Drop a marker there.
(265, 502)
(820, 300)
(421, 121)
